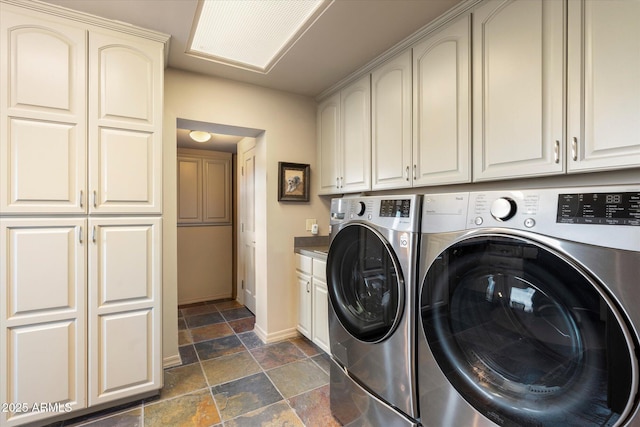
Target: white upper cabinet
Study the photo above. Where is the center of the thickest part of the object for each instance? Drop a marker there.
(442, 107)
(43, 109)
(355, 125)
(603, 85)
(518, 89)
(391, 124)
(68, 149)
(344, 139)
(125, 124)
(328, 144)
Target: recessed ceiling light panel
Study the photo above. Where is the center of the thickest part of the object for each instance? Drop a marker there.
(251, 34)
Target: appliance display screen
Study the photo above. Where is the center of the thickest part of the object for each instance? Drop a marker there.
(395, 208)
(599, 208)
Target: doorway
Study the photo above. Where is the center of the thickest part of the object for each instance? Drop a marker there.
(224, 251)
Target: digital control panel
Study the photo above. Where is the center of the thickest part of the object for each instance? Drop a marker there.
(400, 208)
(599, 208)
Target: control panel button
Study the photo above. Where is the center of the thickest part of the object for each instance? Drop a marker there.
(529, 222)
(503, 208)
(478, 220)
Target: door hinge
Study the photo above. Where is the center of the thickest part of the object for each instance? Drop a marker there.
(242, 170)
(242, 284)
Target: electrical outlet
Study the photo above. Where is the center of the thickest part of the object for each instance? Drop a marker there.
(310, 223)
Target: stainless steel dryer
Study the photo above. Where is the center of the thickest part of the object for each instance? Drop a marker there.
(371, 278)
(530, 308)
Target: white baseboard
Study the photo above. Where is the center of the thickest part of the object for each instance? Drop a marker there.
(171, 361)
(275, 336)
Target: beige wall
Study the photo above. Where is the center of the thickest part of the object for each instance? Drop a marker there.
(205, 263)
(289, 135)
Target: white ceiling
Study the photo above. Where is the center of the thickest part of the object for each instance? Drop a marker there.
(349, 35)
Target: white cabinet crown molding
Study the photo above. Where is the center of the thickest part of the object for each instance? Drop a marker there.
(86, 18)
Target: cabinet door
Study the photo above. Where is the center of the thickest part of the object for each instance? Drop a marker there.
(518, 89)
(391, 124)
(603, 89)
(320, 311)
(42, 316)
(442, 107)
(216, 191)
(328, 144)
(355, 137)
(125, 124)
(189, 190)
(125, 357)
(304, 303)
(42, 114)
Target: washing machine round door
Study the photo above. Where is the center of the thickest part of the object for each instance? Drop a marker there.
(526, 336)
(365, 285)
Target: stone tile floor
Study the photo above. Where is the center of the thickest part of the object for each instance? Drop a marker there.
(229, 378)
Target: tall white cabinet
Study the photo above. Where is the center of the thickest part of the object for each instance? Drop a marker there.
(80, 137)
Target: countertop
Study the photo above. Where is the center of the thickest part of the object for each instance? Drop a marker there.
(313, 246)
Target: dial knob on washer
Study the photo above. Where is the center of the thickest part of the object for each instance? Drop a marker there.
(361, 208)
(503, 208)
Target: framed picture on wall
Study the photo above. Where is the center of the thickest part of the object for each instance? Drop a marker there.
(293, 182)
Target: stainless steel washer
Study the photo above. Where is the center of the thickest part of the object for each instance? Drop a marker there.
(530, 308)
(371, 277)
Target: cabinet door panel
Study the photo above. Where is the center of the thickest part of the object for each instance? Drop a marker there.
(355, 122)
(125, 124)
(125, 176)
(321, 315)
(42, 317)
(603, 88)
(328, 144)
(43, 114)
(189, 190)
(124, 308)
(442, 125)
(391, 124)
(216, 190)
(304, 303)
(518, 106)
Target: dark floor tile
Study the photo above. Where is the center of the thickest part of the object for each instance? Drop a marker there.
(307, 347)
(229, 368)
(244, 395)
(218, 347)
(236, 313)
(203, 319)
(278, 414)
(324, 361)
(196, 409)
(188, 354)
(182, 380)
(243, 325)
(209, 332)
(200, 309)
(182, 325)
(225, 305)
(313, 408)
(274, 355)
(298, 377)
(251, 340)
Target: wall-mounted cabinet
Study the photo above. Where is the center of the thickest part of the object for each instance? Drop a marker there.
(554, 91)
(344, 140)
(204, 187)
(603, 117)
(518, 89)
(442, 107)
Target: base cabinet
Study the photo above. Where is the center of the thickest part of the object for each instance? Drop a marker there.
(313, 300)
(76, 339)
